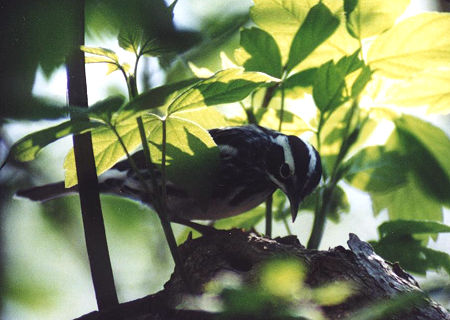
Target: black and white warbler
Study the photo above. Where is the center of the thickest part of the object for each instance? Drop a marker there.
(254, 162)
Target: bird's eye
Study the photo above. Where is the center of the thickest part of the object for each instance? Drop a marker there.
(285, 171)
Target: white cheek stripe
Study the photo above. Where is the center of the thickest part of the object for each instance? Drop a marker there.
(278, 183)
(312, 160)
(283, 141)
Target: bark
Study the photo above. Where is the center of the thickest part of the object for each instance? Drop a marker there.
(375, 279)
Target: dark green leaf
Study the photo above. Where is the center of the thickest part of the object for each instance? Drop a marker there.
(374, 169)
(328, 87)
(319, 24)
(297, 82)
(27, 148)
(411, 254)
(225, 86)
(348, 64)
(152, 98)
(427, 151)
(361, 81)
(339, 203)
(263, 50)
(401, 227)
(104, 110)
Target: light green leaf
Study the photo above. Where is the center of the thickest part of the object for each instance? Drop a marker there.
(372, 17)
(427, 151)
(207, 118)
(192, 156)
(153, 98)
(292, 123)
(245, 221)
(400, 227)
(299, 83)
(374, 169)
(107, 149)
(428, 88)
(225, 86)
(333, 293)
(104, 110)
(28, 147)
(101, 52)
(424, 44)
(318, 26)
(261, 52)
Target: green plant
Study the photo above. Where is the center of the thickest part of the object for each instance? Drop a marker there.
(346, 55)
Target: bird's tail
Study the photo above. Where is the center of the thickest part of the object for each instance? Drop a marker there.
(46, 192)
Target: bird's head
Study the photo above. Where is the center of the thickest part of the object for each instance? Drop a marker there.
(295, 167)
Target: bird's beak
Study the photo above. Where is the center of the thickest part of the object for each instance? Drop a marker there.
(294, 196)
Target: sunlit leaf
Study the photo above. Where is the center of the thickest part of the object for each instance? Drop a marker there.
(424, 44)
(153, 98)
(299, 83)
(103, 52)
(28, 147)
(107, 149)
(207, 118)
(191, 155)
(428, 88)
(369, 18)
(318, 25)
(361, 81)
(292, 123)
(282, 278)
(332, 294)
(400, 227)
(225, 86)
(103, 110)
(261, 52)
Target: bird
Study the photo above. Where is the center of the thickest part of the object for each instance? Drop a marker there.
(254, 162)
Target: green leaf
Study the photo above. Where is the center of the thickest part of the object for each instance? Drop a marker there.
(411, 254)
(107, 149)
(104, 110)
(225, 86)
(318, 26)
(373, 169)
(424, 44)
(207, 118)
(361, 81)
(192, 156)
(292, 123)
(328, 87)
(135, 41)
(103, 52)
(401, 227)
(245, 221)
(153, 98)
(260, 52)
(299, 83)
(427, 151)
(368, 18)
(350, 63)
(430, 87)
(28, 147)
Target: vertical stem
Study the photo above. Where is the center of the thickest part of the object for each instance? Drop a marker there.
(94, 228)
(269, 201)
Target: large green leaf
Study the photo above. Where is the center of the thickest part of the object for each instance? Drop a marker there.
(411, 254)
(328, 87)
(245, 221)
(424, 44)
(192, 156)
(225, 86)
(107, 149)
(153, 98)
(400, 227)
(427, 150)
(371, 17)
(292, 123)
(430, 87)
(374, 169)
(299, 83)
(318, 25)
(27, 148)
(259, 52)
